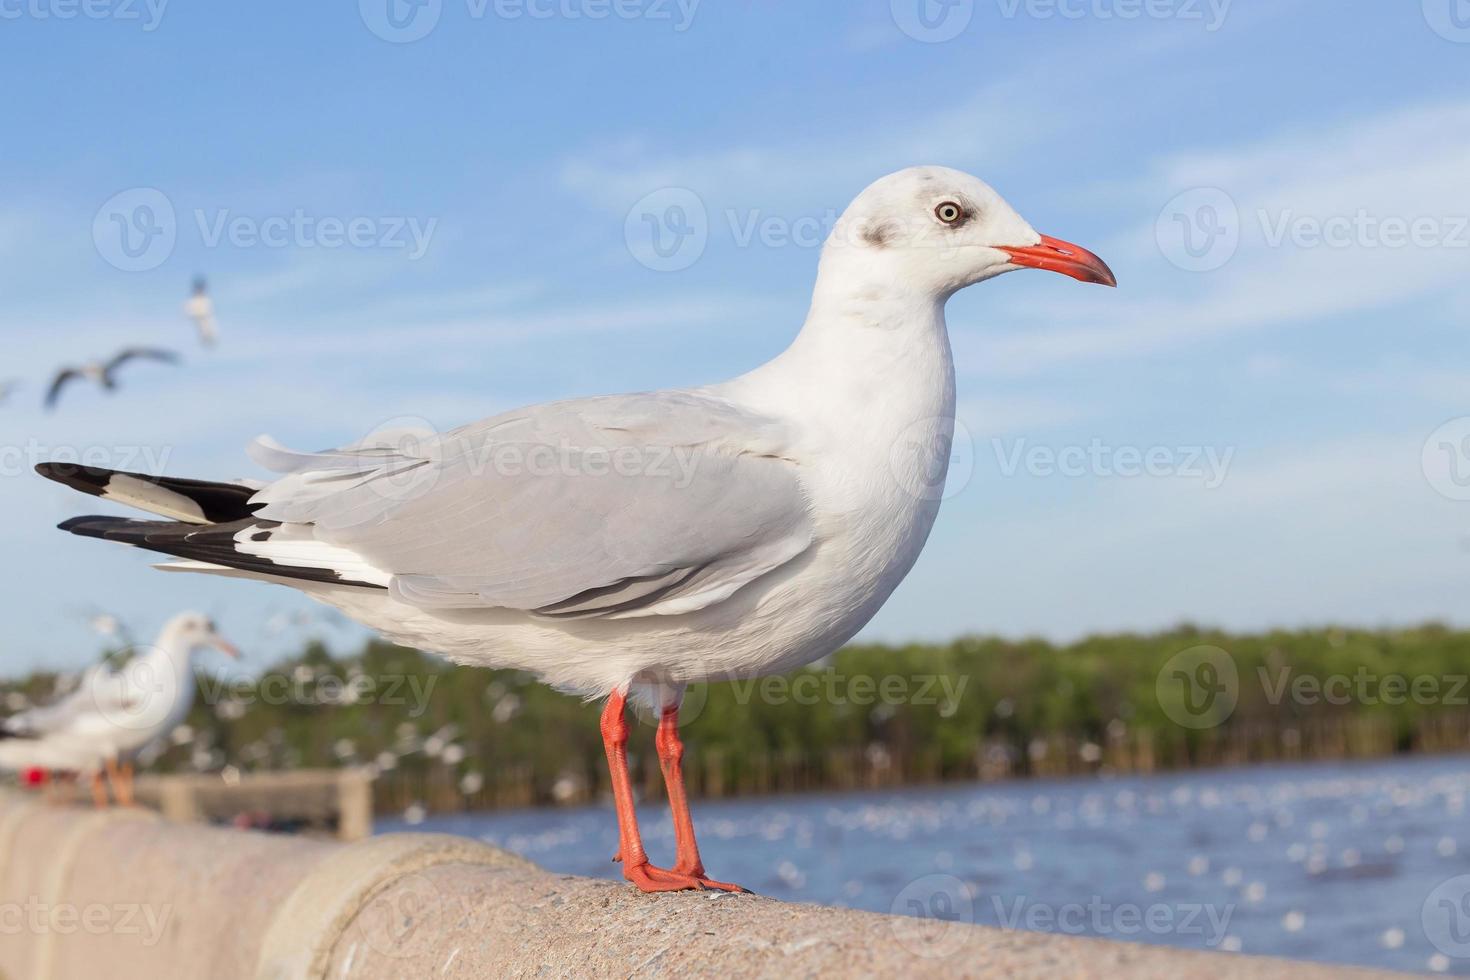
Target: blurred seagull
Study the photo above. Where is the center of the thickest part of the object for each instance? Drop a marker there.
(103, 372)
(112, 715)
(200, 309)
(630, 545)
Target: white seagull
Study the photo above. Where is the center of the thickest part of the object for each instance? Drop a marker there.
(104, 373)
(112, 715)
(200, 308)
(637, 543)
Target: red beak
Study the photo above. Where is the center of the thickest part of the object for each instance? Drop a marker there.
(1055, 255)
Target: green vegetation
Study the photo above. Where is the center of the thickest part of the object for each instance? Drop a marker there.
(974, 708)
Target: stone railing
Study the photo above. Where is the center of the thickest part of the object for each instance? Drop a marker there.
(125, 894)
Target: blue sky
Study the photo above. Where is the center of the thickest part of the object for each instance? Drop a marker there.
(1294, 339)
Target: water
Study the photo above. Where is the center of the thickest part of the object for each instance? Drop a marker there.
(1351, 863)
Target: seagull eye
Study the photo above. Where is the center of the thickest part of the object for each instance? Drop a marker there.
(950, 213)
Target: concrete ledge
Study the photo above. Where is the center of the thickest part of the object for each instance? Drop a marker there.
(124, 896)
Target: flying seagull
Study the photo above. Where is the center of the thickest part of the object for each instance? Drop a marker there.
(630, 545)
(200, 309)
(104, 372)
(112, 715)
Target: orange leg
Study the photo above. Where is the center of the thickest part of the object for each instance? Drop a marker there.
(125, 793)
(671, 760)
(636, 868)
(99, 790)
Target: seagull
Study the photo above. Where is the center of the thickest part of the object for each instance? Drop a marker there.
(112, 715)
(102, 372)
(200, 309)
(629, 545)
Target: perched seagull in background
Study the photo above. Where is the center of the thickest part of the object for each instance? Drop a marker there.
(200, 309)
(104, 372)
(114, 714)
(634, 544)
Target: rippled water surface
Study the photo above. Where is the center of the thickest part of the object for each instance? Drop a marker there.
(1356, 863)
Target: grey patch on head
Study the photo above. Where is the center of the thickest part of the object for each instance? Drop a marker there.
(878, 235)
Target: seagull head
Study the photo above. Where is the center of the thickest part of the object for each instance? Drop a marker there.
(196, 631)
(933, 230)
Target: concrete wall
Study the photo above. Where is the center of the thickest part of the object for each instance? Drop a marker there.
(125, 894)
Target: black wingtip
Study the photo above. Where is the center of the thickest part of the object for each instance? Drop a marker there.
(92, 525)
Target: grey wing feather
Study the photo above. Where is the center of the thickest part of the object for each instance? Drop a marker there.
(622, 506)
